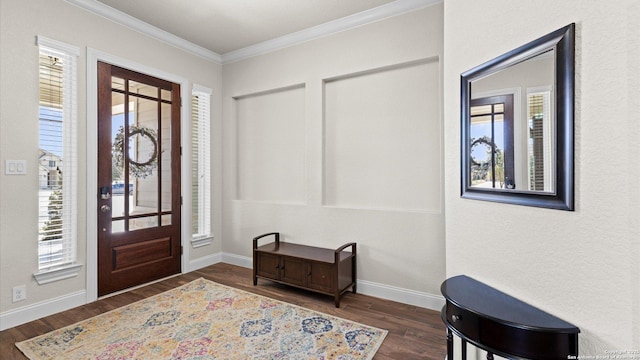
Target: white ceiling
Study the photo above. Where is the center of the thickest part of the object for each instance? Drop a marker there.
(224, 31)
(223, 26)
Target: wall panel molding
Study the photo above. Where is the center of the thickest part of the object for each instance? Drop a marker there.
(270, 145)
(379, 123)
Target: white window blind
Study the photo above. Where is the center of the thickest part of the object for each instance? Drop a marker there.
(540, 147)
(57, 170)
(200, 163)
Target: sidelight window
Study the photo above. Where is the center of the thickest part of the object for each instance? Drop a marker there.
(200, 165)
(57, 170)
(540, 131)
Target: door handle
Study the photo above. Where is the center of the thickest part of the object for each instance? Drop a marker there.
(105, 208)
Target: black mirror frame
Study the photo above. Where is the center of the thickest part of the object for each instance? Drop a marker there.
(563, 42)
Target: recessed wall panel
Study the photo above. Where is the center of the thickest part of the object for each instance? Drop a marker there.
(270, 146)
(382, 139)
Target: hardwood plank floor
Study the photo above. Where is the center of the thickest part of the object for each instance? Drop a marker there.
(414, 332)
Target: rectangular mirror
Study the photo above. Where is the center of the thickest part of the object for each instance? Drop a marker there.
(517, 125)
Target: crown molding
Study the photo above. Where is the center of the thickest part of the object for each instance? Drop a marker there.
(133, 23)
(397, 7)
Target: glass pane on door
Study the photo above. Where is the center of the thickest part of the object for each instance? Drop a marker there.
(141, 156)
(481, 149)
(165, 161)
(118, 196)
(498, 153)
(143, 153)
(488, 145)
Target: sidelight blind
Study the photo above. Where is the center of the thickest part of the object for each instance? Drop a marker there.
(539, 149)
(57, 162)
(200, 163)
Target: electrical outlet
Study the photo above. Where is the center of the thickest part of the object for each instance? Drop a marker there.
(19, 293)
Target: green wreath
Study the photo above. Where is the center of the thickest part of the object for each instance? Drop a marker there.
(138, 170)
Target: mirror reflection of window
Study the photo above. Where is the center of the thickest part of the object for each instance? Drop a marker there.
(540, 77)
(491, 143)
(539, 150)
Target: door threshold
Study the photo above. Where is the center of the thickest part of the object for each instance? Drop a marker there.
(137, 287)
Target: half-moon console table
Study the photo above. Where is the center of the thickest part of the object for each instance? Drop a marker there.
(502, 325)
(325, 271)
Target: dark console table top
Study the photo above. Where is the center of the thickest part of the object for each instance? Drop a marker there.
(479, 298)
(502, 324)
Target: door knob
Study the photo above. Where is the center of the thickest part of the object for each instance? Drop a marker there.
(105, 208)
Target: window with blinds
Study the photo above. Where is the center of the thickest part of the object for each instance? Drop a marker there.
(539, 147)
(57, 170)
(200, 164)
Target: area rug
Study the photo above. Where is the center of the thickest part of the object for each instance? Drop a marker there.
(205, 320)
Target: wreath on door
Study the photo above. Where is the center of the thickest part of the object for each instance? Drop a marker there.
(137, 169)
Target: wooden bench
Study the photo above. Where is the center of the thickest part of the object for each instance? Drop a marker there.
(326, 271)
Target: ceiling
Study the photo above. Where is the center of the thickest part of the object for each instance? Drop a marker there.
(224, 26)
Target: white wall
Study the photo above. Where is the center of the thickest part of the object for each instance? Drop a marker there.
(582, 266)
(354, 121)
(21, 22)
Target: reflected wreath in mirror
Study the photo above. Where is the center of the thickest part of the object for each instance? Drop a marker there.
(491, 167)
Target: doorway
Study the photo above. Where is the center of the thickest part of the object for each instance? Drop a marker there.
(138, 177)
(492, 142)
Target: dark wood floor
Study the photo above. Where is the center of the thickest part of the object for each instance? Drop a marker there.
(414, 332)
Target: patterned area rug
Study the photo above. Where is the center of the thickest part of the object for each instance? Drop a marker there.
(205, 320)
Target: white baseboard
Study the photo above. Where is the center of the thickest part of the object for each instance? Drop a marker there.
(41, 309)
(237, 260)
(49, 307)
(203, 262)
(406, 296)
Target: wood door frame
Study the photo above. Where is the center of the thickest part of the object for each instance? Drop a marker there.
(519, 131)
(93, 56)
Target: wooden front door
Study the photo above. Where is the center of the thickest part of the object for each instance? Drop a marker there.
(138, 178)
(492, 142)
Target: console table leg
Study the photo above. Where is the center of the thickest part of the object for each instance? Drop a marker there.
(464, 349)
(449, 345)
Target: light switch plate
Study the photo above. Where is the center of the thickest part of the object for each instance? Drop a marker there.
(15, 167)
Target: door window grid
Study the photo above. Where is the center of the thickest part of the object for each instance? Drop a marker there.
(145, 109)
(492, 142)
(493, 168)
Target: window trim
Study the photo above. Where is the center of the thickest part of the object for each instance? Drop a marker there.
(69, 268)
(547, 93)
(204, 130)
